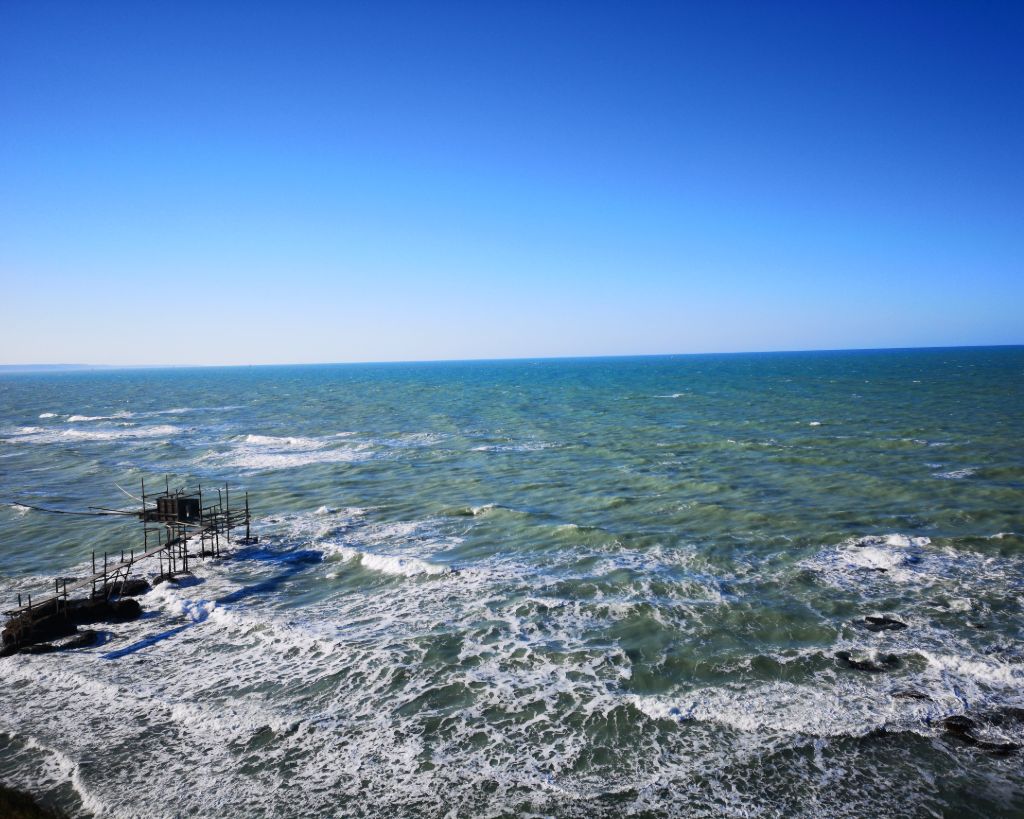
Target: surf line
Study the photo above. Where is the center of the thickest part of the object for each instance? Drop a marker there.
(178, 526)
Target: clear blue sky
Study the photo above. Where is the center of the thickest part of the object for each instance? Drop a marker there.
(267, 182)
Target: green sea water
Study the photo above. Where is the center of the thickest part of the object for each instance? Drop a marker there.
(569, 588)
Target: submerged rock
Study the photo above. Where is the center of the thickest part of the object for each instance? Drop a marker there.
(886, 662)
(965, 730)
(877, 623)
(15, 804)
(910, 695)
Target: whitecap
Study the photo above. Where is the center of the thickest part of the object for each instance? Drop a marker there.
(956, 474)
(157, 431)
(74, 419)
(291, 442)
(987, 671)
(43, 435)
(534, 446)
(389, 564)
(780, 708)
(267, 452)
(891, 555)
(171, 600)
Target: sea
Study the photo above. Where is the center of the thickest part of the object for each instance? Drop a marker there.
(752, 585)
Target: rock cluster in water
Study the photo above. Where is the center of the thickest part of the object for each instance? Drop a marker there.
(49, 626)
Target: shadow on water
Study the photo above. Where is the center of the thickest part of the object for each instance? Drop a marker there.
(293, 563)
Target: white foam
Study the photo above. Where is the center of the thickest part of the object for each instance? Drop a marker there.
(991, 672)
(405, 566)
(73, 419)
(48, 415)
(411, 440)
(290, 442)
(268, 452)
(387, 564)
(814, 423)
(844, 709)
(956, 474)
(157, 431)
(534, 446)
(309, 529)
(893, 556)
(871, 557)
(69, 771)
(43, 435)
(893, 541)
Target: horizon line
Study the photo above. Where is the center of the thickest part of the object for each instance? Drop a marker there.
(9, 368)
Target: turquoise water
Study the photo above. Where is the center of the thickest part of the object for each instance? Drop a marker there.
(550, 588)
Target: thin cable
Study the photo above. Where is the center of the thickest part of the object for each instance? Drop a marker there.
(63, 511)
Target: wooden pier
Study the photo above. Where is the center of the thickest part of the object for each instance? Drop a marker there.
(178, 526)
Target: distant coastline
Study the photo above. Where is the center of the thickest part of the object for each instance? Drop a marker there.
(52, 368)
(56, 368)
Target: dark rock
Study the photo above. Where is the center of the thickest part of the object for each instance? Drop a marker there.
(130, 588)
(959, 725)
(875, 623)
(38, 648)
(997, 748)
(15, 804)
(22, 630)
(964, 729)
(83, 639)
(1009, 714)
(886, 662)
(125, 610)
(176, 579)
(34, 634)
(910, 695)
(86, 612)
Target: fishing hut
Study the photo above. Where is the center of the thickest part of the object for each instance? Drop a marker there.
(178, 526)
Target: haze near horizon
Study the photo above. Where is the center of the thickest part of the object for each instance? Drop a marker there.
(183, 184)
